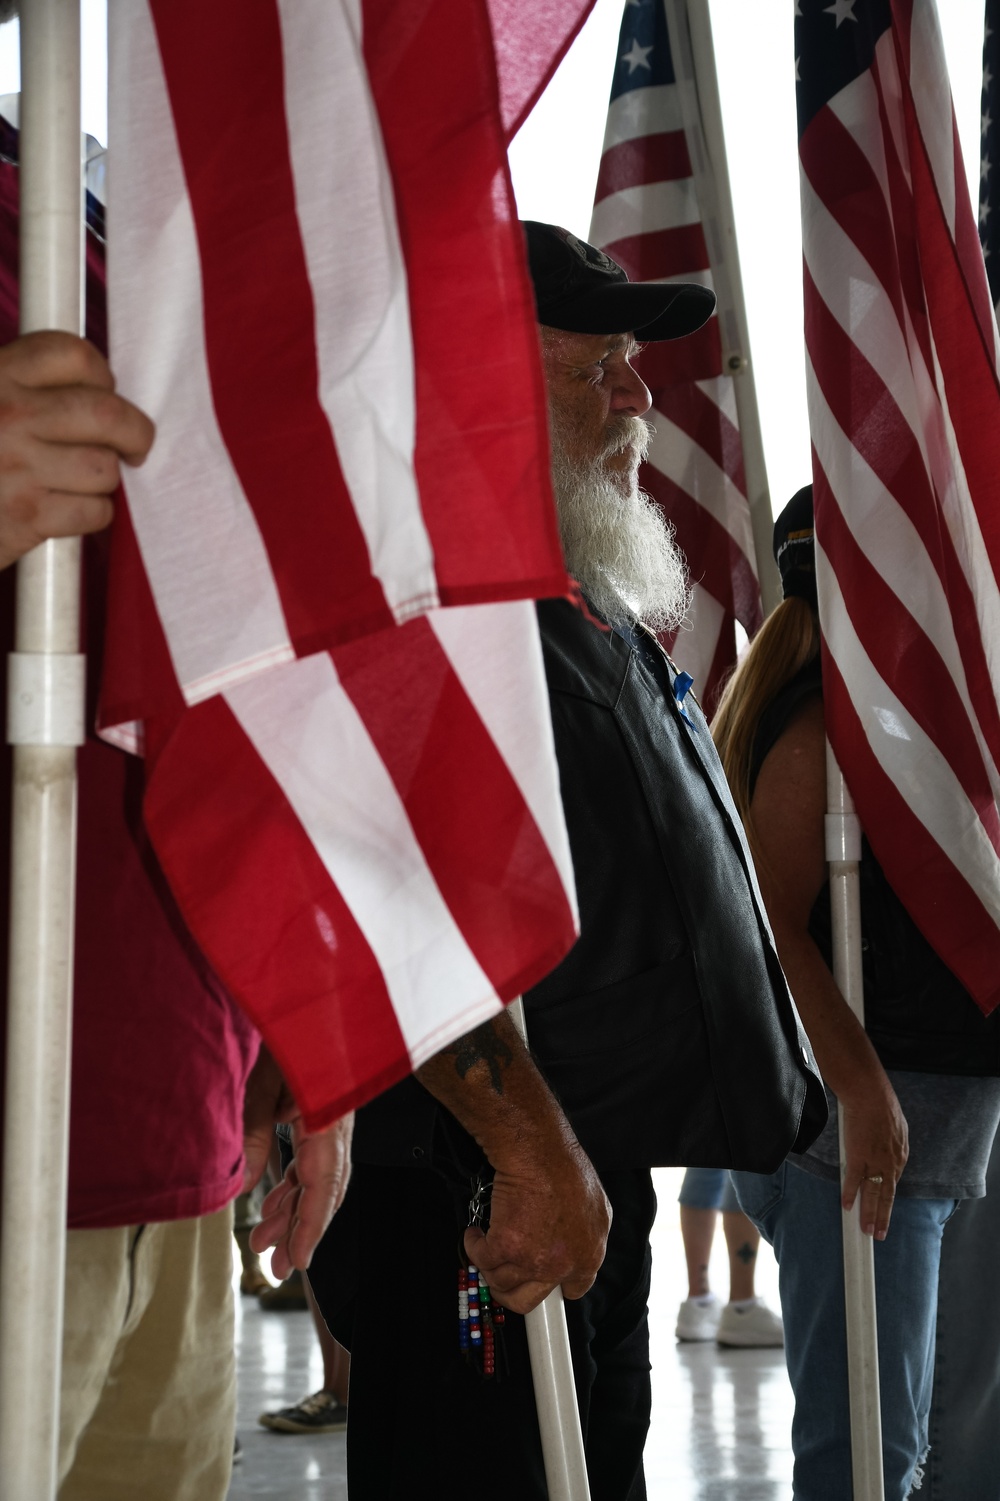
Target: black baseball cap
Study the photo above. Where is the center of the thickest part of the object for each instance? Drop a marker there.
(580, 289)
(794, 549)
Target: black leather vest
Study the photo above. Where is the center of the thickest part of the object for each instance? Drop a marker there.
(667, 1032)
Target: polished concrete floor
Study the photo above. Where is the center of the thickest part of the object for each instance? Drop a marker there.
(720, 1417)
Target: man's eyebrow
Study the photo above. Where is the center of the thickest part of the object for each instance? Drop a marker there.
(627, 343)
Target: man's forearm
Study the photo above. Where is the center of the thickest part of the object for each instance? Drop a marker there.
(549, 1216)
(489, 1082)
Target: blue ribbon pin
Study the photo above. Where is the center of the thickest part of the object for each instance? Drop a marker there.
(682, 685)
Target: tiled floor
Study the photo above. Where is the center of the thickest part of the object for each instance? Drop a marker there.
(720, 1417)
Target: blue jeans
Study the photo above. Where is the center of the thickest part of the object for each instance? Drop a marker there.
(800, 1215)
(708, 1188)
(965, 1413)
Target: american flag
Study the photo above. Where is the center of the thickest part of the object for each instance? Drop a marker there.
(648, 215)
(989, 164)
(318, 289)
(905, 418)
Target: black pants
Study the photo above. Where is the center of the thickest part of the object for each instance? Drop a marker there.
(422, 1422)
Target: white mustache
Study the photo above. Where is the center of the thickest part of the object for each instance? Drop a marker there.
(628, 433)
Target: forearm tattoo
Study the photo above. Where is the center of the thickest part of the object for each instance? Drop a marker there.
(481, 1046)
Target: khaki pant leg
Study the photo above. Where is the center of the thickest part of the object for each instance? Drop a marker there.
(163, 1427)
(98, 1290)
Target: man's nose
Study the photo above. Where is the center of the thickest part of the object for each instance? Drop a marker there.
(631, 394)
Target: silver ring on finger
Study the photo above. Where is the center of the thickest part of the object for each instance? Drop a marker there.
(874, 1178)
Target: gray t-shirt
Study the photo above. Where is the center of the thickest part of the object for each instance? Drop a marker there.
(952, 1121)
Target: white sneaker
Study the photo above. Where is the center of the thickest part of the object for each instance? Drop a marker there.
(752, 1324)
(698, 1319)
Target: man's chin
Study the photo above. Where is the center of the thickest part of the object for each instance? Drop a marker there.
(624, 475)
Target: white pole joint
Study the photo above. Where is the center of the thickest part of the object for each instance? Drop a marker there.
(45, 698)
(843, 838)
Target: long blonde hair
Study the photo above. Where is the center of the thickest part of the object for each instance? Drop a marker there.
(788, 639)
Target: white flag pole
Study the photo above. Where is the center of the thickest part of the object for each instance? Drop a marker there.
(843, 830)
(843, 851)
(690, 30)
(44, 725)
(552, 1375)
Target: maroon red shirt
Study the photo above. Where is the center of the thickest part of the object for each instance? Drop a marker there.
(160, 1053)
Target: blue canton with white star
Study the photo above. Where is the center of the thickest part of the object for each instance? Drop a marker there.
(643, 48)
(834, 44)
(989, 165)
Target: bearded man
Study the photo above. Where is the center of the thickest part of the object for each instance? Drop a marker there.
(621, 1075)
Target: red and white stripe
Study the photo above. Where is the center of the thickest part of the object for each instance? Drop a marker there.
(905, 411)
(648, 217)
(318, 292)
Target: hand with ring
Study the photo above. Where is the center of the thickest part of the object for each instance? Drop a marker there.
(876, 1148)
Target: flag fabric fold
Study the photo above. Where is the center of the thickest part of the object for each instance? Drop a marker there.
(648, 216)
(989, 166)
(529, 43)
(320, 629)
(904, 404)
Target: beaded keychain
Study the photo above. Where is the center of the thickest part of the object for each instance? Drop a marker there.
(480, 1320)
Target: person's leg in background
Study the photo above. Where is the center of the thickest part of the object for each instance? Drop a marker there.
(742, 1243)
(324, 1411)
(700, 1199)
(746, 1320)
(246, 1215)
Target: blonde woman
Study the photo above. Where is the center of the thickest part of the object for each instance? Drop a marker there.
(916, 1086)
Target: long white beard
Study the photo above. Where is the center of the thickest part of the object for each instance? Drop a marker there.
(618, 545)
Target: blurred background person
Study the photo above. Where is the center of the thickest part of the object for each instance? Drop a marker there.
(746, 1319)
(324, 1411)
